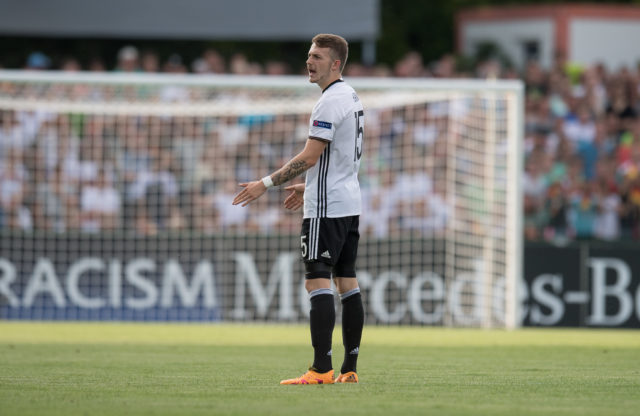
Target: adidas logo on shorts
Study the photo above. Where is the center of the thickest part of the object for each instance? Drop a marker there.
(326, 254)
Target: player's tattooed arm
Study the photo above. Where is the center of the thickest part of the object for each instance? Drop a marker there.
(302, 162)
(289, 171)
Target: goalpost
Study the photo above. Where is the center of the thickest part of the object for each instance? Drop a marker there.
(116, 191)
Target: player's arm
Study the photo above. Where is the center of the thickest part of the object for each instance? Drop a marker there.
(300, 163)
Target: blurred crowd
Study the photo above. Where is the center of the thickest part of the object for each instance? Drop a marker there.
(97, 173)
(150, 174)
(582, 153)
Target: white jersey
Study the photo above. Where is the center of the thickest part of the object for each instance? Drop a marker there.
(332, 189)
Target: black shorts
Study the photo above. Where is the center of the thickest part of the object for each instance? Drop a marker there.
(333, 241)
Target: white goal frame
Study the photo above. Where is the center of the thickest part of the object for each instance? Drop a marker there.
(446, 89)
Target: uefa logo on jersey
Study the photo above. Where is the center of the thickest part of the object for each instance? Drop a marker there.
(323, 124)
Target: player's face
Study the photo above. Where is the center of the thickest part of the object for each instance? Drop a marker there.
(319, 65)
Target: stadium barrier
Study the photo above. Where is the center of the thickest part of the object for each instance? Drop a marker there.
(219, 277)
(227, 278)
(586, 284)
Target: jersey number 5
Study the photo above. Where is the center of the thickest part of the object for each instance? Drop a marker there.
(359, 133)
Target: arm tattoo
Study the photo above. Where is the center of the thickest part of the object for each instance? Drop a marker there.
(289, 171)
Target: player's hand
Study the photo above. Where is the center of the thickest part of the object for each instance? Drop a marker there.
(251, 192)
(296, 198)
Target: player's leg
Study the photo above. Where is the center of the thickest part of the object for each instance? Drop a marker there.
(322, 319)
(352, 308)
(322, 316)
(352, 325)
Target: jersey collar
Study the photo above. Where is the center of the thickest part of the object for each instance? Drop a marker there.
(334, 82)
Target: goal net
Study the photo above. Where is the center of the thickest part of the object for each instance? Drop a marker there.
(116, 190)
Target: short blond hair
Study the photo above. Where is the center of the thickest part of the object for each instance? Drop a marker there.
(338, 46)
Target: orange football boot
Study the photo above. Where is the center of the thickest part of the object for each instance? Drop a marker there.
(311, 377)
(348, 377)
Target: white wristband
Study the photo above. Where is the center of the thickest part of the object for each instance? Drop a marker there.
(267, 181)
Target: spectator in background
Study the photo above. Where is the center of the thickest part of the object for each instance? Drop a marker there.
(629, 178)
(213, 166)
(626, 138)
(392, 126)
(96, 64)
(46, 148)
(378, 205)
(231, 132)
(56, 203)
(424, 129)
(87, 166)
(276, 68)
(135, 156)
(535, 80)
(583, 212)
(595, 91)
(207, 219)
(606, 173)
(490, 69)
(426, 216)
(413, 182)
(630, 165)
(18, 130)
(445, 67)
(239, 64)
(37, 61)
(128, 59)
(150, 62)
(14, 178)
(174, 65)
(100, 204)
(356, 70)
(620, 103)
(558, 92)
(574, 180)
(581, 129)
(630, 207)
(132, 158)
(607, 224)
(70, 64)
(174, 93)
(381, 70)
(556, 207)
(188, 145)
(64, 137)
(211, 62)
(155, 194)
(559, 167)
(199, 66)
(534, 184)
(410, 66)
(589, 152)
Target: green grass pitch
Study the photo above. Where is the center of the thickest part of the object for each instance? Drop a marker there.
(197, 369)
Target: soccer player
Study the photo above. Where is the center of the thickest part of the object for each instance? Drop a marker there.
(331, 200)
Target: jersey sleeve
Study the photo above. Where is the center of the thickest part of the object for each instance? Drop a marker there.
(326, 116)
